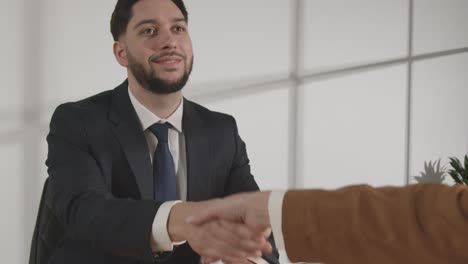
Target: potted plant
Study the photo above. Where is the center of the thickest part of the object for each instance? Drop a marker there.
(459, 173)
(433, 173)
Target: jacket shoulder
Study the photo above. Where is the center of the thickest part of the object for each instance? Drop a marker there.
(209, 115)
(95, 107)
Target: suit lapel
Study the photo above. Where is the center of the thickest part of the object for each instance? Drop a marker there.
(198, 154)
(132, 139)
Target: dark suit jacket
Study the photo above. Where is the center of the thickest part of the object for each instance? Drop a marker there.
(98, 203)
(423, 223)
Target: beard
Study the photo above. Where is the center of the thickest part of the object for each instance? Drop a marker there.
(150, 80)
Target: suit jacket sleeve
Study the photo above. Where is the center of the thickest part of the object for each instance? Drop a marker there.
(242, 180)
(81, 199)
(360, 224)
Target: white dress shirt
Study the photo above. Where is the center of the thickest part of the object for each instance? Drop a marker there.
(275, 212)
(160, 236)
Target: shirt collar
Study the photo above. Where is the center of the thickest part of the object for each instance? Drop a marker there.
(147, 118)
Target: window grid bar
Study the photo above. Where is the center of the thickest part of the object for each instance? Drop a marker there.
(409, 96)
(296, 37)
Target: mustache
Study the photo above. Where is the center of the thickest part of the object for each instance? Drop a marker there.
(155, 57)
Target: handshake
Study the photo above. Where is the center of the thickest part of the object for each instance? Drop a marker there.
(231, 229)
(423, 223)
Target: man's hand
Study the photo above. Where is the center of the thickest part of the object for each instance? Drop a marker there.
(250, 209)
(215, 239)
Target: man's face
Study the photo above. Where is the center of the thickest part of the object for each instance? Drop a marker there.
(158, 46)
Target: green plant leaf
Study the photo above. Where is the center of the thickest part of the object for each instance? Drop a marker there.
(465, 179)
(456, 165)
(466, 163)
(455, 176)
(465, 171)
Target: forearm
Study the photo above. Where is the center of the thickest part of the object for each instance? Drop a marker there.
(176, 224)
(117, 226)
(415, 221)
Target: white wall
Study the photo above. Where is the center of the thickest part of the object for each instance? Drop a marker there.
(321, 107)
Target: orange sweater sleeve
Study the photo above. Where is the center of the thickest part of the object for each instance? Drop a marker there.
(424, 223)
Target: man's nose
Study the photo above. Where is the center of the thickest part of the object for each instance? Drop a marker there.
(168, 40)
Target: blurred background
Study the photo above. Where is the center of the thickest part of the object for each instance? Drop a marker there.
(326, 92)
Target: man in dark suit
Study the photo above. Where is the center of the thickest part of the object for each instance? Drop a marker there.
(119, 161)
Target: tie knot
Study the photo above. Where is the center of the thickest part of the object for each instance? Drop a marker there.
(160, 130)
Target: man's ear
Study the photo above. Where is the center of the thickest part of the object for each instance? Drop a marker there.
(120, 53)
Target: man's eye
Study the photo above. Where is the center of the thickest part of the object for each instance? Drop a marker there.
(149, 31)
(179, 29)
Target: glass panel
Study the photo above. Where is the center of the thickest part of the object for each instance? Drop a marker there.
(76, 49)
(342, 33)
(12, 66)
(353, 130)
(439, 122)
(12, 203)
(440, 25)
(238, 40)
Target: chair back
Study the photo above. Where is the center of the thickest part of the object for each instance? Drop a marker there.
(48, 232)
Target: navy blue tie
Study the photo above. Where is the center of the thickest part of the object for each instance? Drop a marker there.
(163, 165)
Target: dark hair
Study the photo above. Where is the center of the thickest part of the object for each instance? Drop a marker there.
(123, 13)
